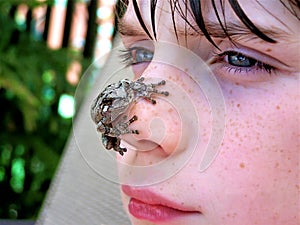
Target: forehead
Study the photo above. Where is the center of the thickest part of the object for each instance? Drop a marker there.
(267, 14)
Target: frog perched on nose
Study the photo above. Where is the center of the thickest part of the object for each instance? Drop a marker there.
(113, 102)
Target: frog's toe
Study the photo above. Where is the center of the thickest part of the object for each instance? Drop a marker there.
(135, 132)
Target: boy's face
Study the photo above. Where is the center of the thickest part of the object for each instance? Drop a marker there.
(254, 178)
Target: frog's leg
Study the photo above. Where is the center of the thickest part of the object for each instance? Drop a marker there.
(113, 143)
(152, 88)
(108, 141)
(103, 128)
(122, 127)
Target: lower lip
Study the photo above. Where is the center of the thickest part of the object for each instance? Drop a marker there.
(153, 213)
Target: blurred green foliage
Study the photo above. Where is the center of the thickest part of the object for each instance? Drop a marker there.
(33, 134)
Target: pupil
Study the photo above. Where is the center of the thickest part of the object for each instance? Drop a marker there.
(237, 59)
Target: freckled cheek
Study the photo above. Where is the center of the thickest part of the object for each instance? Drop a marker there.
(265, 119)
(259, 156)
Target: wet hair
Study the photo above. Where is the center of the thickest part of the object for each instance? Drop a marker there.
(195, 9)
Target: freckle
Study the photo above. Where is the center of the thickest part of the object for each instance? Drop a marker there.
(268, 50)
(170, 110)
(289, 171)
(238, 105)
(242, 165)
(278, 107)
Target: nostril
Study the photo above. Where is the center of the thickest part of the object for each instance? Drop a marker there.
(140, 145)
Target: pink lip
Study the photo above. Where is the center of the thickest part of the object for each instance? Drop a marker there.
(148, 206)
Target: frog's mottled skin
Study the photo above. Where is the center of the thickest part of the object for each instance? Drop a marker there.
(113, 102)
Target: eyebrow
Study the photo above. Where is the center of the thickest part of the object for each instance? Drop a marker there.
(128, 29)
(234, 30)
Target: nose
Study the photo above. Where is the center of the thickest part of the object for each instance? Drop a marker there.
(185, 126)
(164, 128)
(158, 126)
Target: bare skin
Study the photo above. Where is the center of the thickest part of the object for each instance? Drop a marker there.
(255, 177)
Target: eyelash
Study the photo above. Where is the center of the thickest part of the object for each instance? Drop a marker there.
(127, 57)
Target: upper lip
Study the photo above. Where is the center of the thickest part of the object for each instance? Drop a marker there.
(152, 198)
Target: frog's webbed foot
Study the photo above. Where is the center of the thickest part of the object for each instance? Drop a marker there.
(118, 148)
(113, 143)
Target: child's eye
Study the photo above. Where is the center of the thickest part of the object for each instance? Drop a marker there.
(136, 55)
(236, 63)
(240, 60)
(237, 59)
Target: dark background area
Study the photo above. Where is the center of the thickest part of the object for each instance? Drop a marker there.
(33, 87)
